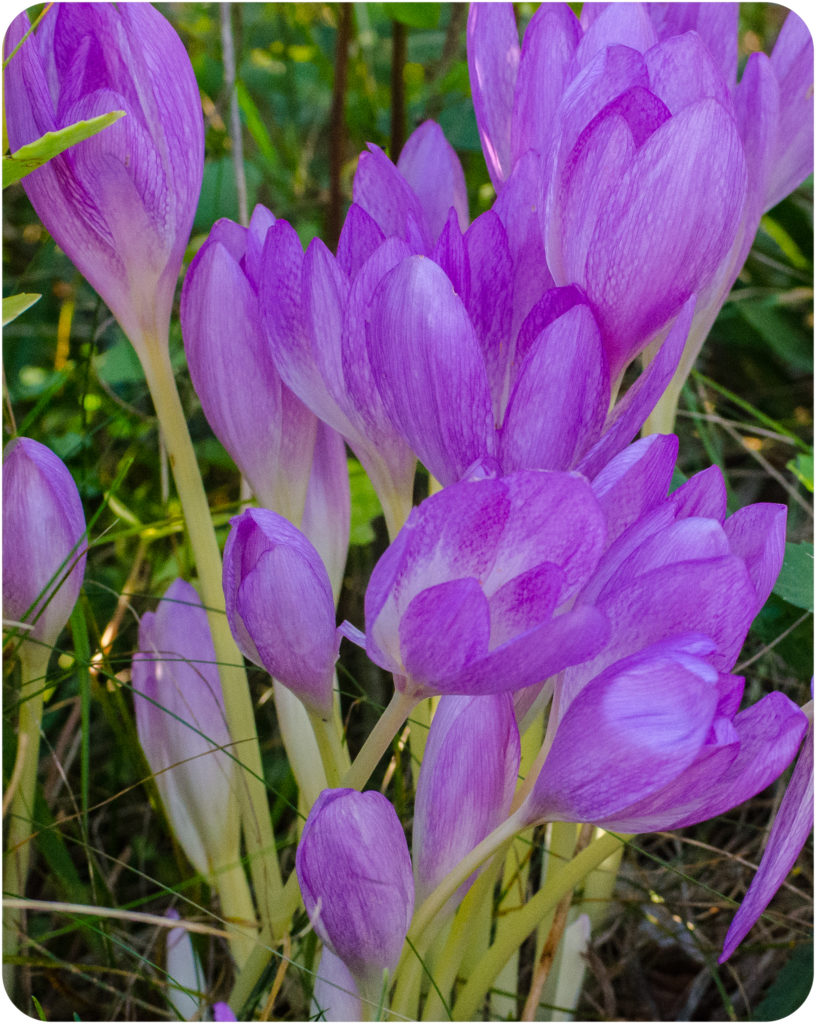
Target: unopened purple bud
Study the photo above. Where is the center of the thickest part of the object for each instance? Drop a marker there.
(43, 540)
(121, 203)
(355, 874)
(182, 728)
(335, 995)
(280, 605)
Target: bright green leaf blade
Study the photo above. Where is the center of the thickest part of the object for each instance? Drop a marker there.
(33, 155)
(795, 582)
(14, 305)
(802, 469)
(415, 15)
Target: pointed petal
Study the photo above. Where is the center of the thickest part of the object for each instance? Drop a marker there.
(432, 169)
(682, 71)
(792, 61)
(359, 237)
(493, 60)
(703, 494)
(756, 534)
(635, 481)
(386, 196)
(626, 24)
(429, 370)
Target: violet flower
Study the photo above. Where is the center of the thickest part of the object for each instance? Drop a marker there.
(460, 386)
(466, 783)
(473, 596)
(44, 547)
(120, 204)
(639, 159)
(185, 978)
(180, 721)
(267, 430)
(791, 827)
(280, 605)
(335, 995)
(354, 871)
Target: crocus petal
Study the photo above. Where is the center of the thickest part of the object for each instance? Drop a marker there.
(682, 71)
(550, 41)
(355, 874)
(359, 237)
(327, 512)
(524, 601)
(493, 54)
(791, 827)
(716, 23)
(703, 494)
(757, 534)
(626, 24)
(429, 369)
(456, 610)
(466, 783)
(184, 974)
(44, 549)
(386, 196)
(686, 183)
(267, 430)
(792, 61)
(432, 169)
(625, 730)
(560, 398)
(629, 414)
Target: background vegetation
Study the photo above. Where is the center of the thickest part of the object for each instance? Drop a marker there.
(315, 83)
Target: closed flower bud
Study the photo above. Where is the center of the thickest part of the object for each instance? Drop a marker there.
(355, 874)
(182, 729)
(280, 605)
(43, 540)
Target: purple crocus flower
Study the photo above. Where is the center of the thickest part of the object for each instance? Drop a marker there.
(44, 547)
(354, 871)
(268, 432)
(791, 827)
(120, 204)
(639, 158)
(184, 974)
(473, 596)
(280, 605)
(314, 317)
(460, 386)
(466, 783)
(180, 720)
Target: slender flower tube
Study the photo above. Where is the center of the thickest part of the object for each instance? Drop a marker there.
(43, 541)
(184, 973)
(474, 595)
(120, 204)
(355, 874)
(466, 784)
(180, 721)
(280, 605)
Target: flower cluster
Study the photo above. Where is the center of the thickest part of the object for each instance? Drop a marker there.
(553, 586)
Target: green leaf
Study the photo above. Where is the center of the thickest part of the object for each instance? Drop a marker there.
(790, 988)
(365, 505)
(34, 154)
(795, 582)
(14, 305)
(416, 15)
(802, 469)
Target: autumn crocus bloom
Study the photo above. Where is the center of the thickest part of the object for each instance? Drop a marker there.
(641, 164)
(181, 726)
(473, 595)
(280, 605)
(354, 871)
(120, 204)
(44, 547)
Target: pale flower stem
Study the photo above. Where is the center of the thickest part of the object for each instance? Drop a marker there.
(238, 911)
(33, 664)
(526, 919)
(379, 739)
(257, 824)
(331, 753)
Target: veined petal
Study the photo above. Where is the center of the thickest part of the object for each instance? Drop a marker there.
(381, 190)
(682, 71)
(792, 62)
(716, 23)
(560, 398)
(445, 627)
(686, 183)
(791, 827)
(466, 783)
(756, 534)
(431, 167)
(493, 54)
(429, 370)
(525, 601)
(627, 24)
(703, 494)
(359, 237)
